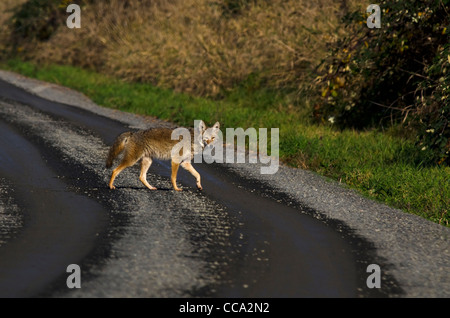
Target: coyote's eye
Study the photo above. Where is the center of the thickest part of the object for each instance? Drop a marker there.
(212, 138)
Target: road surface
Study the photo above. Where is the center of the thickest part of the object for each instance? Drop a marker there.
(240, 237)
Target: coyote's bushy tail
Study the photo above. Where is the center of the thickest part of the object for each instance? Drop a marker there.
(117, 147)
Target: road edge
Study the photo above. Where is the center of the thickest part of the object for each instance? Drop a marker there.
(417, 248)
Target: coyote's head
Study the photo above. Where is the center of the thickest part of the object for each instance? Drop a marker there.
(209, 135)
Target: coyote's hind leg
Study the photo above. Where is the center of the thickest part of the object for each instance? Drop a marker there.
(116, 172)
(145, 165)
(126, 162)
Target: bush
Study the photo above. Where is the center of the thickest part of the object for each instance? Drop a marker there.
(36, 19)
(396, 74)
(233, 7)
(432, 110)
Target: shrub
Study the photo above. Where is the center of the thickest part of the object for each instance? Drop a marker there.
(36, 19)
(396, 74)
(432, 108)
(233, 7)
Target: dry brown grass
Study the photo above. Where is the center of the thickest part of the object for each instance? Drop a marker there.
(5, 13)
(5, 9)
(190, 46)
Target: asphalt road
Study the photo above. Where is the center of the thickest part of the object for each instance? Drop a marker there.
(243, 236)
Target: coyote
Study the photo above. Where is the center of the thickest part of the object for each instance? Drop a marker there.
(157, 143)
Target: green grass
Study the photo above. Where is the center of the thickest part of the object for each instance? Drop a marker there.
(377, 164)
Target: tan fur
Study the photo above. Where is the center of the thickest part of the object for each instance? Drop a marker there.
(117, 148)
(147, 144)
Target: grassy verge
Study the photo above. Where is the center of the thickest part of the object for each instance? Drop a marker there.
(378, 165)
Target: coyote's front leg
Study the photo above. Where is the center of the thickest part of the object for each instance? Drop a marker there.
(188, 166)
(175, 167)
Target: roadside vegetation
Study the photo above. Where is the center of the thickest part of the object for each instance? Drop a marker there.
(365, 107)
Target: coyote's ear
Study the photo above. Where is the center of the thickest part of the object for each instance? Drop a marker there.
(216, 126)
(201, 126)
